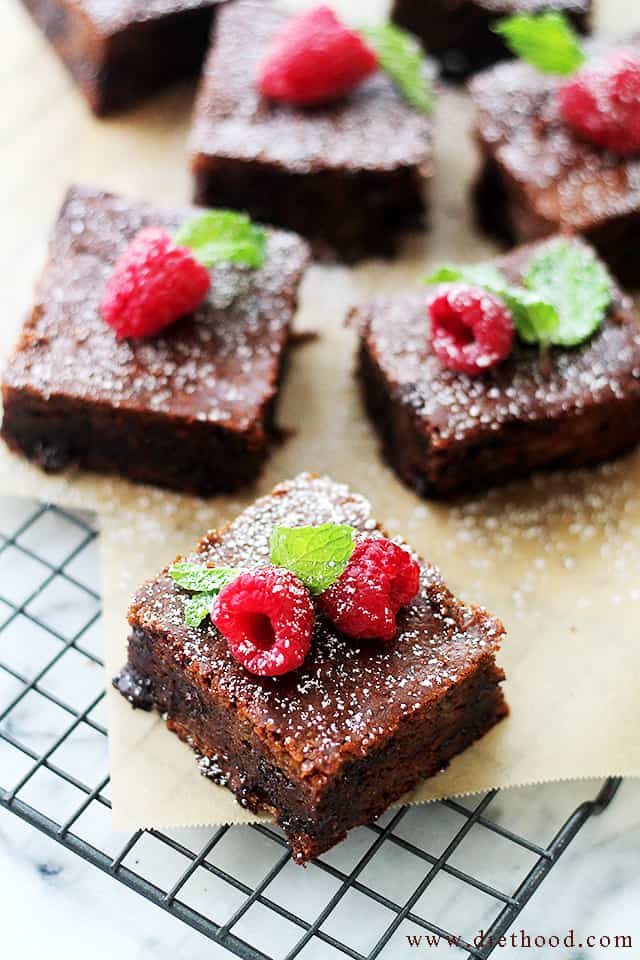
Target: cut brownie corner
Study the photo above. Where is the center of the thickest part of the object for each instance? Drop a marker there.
(329, 746)
(447, 434)
(124, 51)
(191, 408)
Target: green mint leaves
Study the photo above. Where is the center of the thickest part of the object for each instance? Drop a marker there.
(569, 276)
(564, 297)
(534, 318)
(197, 608)
(316, 555)
(545, 40)
(204, 582)
(400, 56)
(223, 236)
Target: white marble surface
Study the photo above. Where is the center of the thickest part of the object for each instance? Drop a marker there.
(55, 904)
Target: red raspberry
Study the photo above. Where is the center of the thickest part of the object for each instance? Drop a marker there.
(153, 284)
(602, 102)
(380, 578)
(267, 618)
(471, 330)
(313, 59)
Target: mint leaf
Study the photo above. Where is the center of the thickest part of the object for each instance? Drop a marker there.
(317, 555)
(196, 577)
(197, 608)
(400, 56)
(545, 40)
(534, 317)
(478, 274)
(568, 275)
(223, 236)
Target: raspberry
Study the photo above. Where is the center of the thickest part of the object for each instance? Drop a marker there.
(315, 59)
(267, 618)
(602, 102)
(153, 284)
(380, 578)
(471, 330)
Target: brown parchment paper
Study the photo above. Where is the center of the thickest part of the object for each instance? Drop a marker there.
(556, 557)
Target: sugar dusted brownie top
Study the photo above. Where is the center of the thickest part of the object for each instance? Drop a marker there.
(565, 179)
(113, 15)
(373, 128)
(348, 696)
(501, 7)
(219, 364)
(457, 407)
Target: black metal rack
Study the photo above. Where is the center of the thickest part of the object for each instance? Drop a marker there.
(201, 881)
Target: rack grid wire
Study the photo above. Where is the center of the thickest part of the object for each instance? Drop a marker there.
(205, 879)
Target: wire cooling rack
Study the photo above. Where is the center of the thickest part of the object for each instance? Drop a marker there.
(236, 885)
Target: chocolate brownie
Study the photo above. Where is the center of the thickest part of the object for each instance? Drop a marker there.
(331, 745)
(191, 408)
(445, 433)
(119, 51)
(349, 175)
(540, 178)
(458, 32)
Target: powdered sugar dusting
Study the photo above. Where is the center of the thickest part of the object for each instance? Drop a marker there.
(112, 15)
(373, 127)
(347, 695)
(522, 390)
(218, 365)
(567, 182)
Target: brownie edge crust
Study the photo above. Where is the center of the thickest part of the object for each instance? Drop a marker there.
(123, 51)
(331, 745)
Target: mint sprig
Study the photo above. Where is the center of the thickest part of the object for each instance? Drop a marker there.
(318, 556)
(204, 582)
(545, 40)
(569, 276)
(223, 236)
(565, 294)
(400, 56)
(534, 318)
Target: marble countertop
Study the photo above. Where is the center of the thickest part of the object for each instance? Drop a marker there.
(594, 890)
(51, 898)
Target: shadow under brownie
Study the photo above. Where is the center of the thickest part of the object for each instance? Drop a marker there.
(191, 408)
(331, 745)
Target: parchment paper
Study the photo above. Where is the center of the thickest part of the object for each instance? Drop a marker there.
(556, 557)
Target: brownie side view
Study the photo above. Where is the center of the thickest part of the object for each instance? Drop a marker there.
(350, 175)
(331, 745)
(540, 178)
(122, 51)
(458, 32)
(190, 409)
(447, 434)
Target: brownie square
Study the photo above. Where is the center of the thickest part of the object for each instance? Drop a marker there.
(445, 433)
(120, 51)
(540, 178)
(331, 745)
(349, 175)
(458, 32)
(191, 408)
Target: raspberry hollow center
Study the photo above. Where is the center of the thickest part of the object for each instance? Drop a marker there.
(260, 628)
